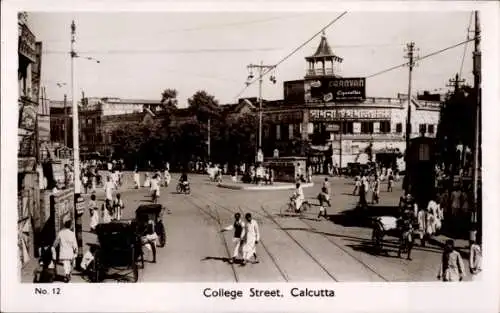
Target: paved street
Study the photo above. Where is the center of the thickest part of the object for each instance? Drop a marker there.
(291, 249)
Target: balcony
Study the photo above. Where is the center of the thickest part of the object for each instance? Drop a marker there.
(319, 72)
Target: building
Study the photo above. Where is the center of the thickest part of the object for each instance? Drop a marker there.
(329, 119)
(28, 197)
(98, 117)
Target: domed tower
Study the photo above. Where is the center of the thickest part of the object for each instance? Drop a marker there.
(323, 62)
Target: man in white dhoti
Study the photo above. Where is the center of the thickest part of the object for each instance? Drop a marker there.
(108, 189)
(238, 227)
(137, 179)
(475, 260)
(66, 242)
(250, 239)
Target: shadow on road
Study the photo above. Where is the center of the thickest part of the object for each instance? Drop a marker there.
(216, 258)
(358, 217)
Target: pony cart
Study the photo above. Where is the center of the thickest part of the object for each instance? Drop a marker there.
(403, 230)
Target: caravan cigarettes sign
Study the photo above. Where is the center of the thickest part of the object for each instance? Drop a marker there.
(338, 89)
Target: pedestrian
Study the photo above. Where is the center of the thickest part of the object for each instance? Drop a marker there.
(107, 211)
(362, 195)
(390, 181)
(46, 273)
(452, 266)
(167, 177)
(238, 227)
(108, 189)
(137, 179)
(155, 187)
(94, 213)
(150, 238)
(66, 242)
(323, 198)
(118, 207)
(147, 181)
(376, 190)
(251, 237)
(475, 260)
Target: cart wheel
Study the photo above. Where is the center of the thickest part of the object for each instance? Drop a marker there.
(96, 271)
(161, 234)
(135, 268)
(306, 206)
(188, 190)
(178, 189)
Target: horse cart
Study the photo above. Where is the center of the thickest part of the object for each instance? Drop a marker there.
(391, 226)
(118, 252)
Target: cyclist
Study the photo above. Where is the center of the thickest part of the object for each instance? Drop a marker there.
(297, 197)
(183, 180)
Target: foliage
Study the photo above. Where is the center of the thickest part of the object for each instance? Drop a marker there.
(204, 105)
(456, 125)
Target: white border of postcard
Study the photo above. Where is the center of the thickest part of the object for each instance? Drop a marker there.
(359, 297)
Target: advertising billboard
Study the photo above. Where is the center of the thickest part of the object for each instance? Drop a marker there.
(294, 92)
(338, 89)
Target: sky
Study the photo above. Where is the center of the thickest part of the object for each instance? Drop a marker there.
(143, 53)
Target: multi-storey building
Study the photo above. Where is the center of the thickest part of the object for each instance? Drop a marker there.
(29, 53)
(339, 122)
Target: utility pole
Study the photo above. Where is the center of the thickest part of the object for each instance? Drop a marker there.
(410, 56)
(65, 114)
(261, 68)
(477, 128)
(208, 141)
(455, 83)
(78, 200)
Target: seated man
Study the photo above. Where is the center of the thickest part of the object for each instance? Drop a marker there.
(184, 179)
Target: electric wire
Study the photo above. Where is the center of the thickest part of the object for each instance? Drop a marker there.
(466, 45)
(420, 58)
(266, 71)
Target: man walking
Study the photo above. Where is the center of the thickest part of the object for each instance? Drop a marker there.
(66, 241)
(237, 226)
(251, 238)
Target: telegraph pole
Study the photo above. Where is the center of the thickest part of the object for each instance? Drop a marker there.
(410, 55)
(76, 144)
(455, 83)
(261, 68)
(208, 141)
(477, 128)
(65, 114)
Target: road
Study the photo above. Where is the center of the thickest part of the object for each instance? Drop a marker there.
(291, 249)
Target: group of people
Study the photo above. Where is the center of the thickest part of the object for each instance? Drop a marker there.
(365, 184)
(246, 236)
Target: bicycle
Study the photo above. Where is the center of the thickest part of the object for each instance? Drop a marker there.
(290, 208)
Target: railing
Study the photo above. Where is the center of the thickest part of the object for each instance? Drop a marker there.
(319, 72)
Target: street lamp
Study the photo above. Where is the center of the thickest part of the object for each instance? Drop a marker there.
(262, 70)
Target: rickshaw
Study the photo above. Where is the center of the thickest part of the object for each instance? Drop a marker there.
(118, 252)
(392, 226)
(151, 212)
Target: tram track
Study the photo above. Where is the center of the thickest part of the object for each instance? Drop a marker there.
(312, 229)
(282, 272)
(216, 218)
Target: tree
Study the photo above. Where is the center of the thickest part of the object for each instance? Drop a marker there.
(204, 106)
(169, 98)
(456, 125)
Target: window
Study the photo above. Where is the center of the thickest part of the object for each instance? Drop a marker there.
(285, 131)
(278, 132)
(366, 127)
(422, 128)
(385, 127)
(399, 128)
(297, 130)
(430, 129)
(291, 129)
(347, 128)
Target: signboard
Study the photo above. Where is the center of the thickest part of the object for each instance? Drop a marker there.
(294, 91)
(332, 127)
(27, 118)
(27, 44)
(349, 114)
(44, 128)
(286, 117)
(35, 72)
(27, 145)
(80, 205)
(338, 89)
